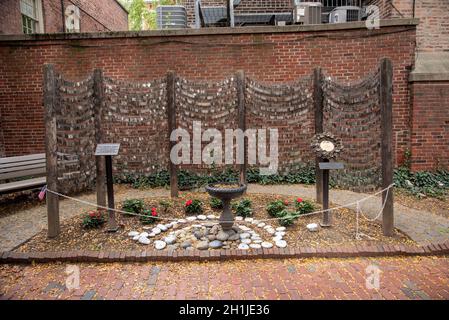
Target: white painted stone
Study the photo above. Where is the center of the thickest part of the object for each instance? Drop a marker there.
(258, 241)
(281, 243)
(211, 217)
(281, 229)
(182, 221)
(133, 233)
(261, 225)
(255, 222)
(136, 238)
(267, 245)
(162, 227)
(201, 217)
(156, 230)
(238, 218)
(144, 240)
(249, 219)
(170, 239)
(191, 218)
(271, 231)
(277, 238)
(159, 245)
(168, 225)
(243, 246)
(244, 235)
(144, 234)
(280, 233)
(246, 241)
(255, 246)
(312, 227)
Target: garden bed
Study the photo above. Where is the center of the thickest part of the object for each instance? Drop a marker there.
(74, 237)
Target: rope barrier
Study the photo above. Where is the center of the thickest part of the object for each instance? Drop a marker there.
(357, 203)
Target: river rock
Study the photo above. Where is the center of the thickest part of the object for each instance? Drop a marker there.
(281, 228)
(280, 233)
(215, 244)
(222, 236)
(159, 245)
(170, 240)
(144, 240)
(255, 246)
(201, 217)
(234, 237)
(243, 246)
(261, 225)
(156, 230)
(182, 221)
(162, 227)
(267, 245)
(249, 219)
(144, 234)
(312, 227)
(211, 217)
(133, 233)
(202, 245)
(281, 243)
(244, 235)
(135, 238)
(238, 218)
(212, 237)
(186, 244)
(191, 218)
(246, 241)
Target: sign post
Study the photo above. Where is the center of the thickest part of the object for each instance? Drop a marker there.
(325, 167)
(108, 150)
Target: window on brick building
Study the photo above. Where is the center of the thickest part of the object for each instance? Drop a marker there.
(32, 21)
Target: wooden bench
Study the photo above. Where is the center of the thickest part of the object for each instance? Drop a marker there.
(31, 168)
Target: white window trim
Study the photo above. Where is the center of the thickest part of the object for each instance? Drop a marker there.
(39, 18)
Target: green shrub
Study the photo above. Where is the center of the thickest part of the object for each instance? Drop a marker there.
(133, 205)
(286, 217)
(275, 207)
(304, 206)
(194, 206)
(94, 219)
(422, 183)
(216, 203)
(243, 208)
(149, 216)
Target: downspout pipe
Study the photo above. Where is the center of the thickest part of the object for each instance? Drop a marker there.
(63, 16)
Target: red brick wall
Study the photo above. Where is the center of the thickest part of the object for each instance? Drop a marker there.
(99, 15)
(430, 125)
(271, 57)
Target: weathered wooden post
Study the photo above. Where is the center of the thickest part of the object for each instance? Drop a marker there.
(386, 109)
(50, 87)
(240, 83)
(100, 165)
(318, 101)
(171, 117)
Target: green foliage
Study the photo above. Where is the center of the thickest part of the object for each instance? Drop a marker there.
(304, 175)
(304, 206)
(133, 205)
(243, 208)
(194, 206)
(432, 184)
(286, 217)
(275, 207)
(139, 15)
(216, 203)
(94, 219)
(148, 216)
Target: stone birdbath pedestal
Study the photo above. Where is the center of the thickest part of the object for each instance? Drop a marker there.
(226, 192)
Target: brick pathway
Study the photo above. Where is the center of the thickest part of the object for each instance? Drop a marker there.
(400, 278)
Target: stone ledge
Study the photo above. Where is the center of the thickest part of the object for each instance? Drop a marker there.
(431, 249)
(207, 31)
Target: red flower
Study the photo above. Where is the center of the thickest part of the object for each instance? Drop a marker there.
(188, 203)
(286, 202)
(299, 200)
(154, 213)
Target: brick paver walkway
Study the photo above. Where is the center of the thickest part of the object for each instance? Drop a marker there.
(400, 278)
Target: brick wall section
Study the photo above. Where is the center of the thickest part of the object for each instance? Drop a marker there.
(269, 57)
(430, 125)
(99, 15)
(433, 30)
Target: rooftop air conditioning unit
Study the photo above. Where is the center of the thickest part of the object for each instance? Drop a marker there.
(171, 17)
(345, 14)
(307, 12)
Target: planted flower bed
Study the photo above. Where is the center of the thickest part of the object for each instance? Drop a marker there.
(193, 224)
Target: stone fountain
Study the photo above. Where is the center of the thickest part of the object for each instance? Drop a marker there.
(226, 192)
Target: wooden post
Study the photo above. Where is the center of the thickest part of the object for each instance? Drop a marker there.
(100, 164)
(318, 104)
(242, 123)
(112, 223)
(327, 216)
(50, 88)
(171, 116)
(386, 109)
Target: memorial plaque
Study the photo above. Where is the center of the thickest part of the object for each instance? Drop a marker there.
(331, 165)
(107, 149)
